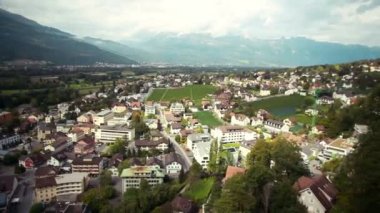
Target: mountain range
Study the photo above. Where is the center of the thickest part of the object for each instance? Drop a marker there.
(21, 38)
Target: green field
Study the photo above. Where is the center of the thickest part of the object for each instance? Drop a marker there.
(207, 118)
(192, 92)
(282, 106)
(200, 190)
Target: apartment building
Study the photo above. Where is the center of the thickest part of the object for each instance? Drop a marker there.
(338, 148)
(72, 183)
(45, 189)
(195, 138)
(228, 134)
(131, 177)
(201, 153)
(109, 134)
(177, 108)
(87, 164)
(102, 117)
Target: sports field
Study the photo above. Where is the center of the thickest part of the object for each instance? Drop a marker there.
(193, 92)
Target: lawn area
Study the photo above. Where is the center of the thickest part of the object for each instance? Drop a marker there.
(200, 190)
(302, 118)
(282, 106)
(193, 92)
(207, 118)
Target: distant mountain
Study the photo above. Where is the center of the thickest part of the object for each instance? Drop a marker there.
(201, 49)
(21, 38)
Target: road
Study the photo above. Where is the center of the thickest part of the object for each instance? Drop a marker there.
(27, 195)
(179, 150)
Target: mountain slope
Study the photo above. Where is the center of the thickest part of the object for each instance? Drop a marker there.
(201, 49)
(21, 38)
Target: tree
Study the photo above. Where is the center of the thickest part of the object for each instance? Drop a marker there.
(19, 169)
(235, 197)
(105, 178)
(284, 199)
(177, 138)
(260, 154)
(117, 147)
(195, 172)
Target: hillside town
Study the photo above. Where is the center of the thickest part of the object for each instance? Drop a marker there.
(118, 140)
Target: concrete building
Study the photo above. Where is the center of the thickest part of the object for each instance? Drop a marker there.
(7, 141)
(72, 183)
(201, 153)
(87, 164)
(150, 110)
(102, 117)
(45, 189)
(338, 148)
(109, 134)
(131, 177)
(228, 134)
(195, 138)
(177, 108)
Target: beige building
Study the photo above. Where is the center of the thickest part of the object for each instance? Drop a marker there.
(109, 134)
(131, 177)
(45, 190)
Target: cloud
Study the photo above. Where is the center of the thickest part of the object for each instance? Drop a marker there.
(346, 21)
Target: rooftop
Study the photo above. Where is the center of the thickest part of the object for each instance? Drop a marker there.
(104, 113)
(70, 177)
(142, 171)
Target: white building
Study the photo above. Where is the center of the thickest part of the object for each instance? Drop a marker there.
(228, 134)
(131, 177)
(274, 126)
(150, 110)
(124, 120)
(201, 153)
(240, 120)
(72, 183)
(109, 134)
(102, 117)
(9, 140)
(177, 108)
(195, 138)
(338, 148)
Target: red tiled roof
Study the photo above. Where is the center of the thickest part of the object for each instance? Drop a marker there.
(232, 171)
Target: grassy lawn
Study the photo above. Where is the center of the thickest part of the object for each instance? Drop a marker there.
(193, 92)
(200, 190)
(282, 106)
(302, 118)
(231, 145)
(207, 118)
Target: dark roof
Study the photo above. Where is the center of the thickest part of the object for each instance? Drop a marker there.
(321, 187)
(184, 205)
(45, 182)
(150, 143)
(46, 171)
(176, 125)
(172, 157)
(6, 183)
(87, 160)
(154, 161)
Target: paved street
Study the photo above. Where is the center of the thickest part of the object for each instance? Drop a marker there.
(26, 185)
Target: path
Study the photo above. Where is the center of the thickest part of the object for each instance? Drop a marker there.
(163, 95)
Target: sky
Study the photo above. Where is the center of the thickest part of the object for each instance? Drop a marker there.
(343, 21)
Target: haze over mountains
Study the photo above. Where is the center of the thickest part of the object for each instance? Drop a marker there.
(21, 38)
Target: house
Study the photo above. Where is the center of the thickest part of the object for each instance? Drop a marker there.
(264, 91)
(240, 120)
(177, 108)
(317, 193)
(135, 105)
(318, 129)
(85, 146)
(173, 163)
(75, 134)
(325, 100)
(232, 171)
(151, 123)
(86, 117)
(360, 129)
(119, 108)
(195, 138)
(201, 153)
(311, 112)
(245, 148)
(31, 161)
(46, 171)
(146, 145)
(45, 189)
(338, 148)
(150, 110)
(274, 126)
(131, 177)
(45, 129)
(175, 128)
(57, 146)
(57, 159)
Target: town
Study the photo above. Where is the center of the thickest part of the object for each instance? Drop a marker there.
(175, 141)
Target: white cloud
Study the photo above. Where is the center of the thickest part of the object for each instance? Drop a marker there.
(344, 21)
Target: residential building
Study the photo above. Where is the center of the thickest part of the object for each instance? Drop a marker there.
(57, 159)
(175, 128)
(85, 146)
(131, 177)
(71, 183)
(146, 145)
(45, 189)
(123, 120)
(325, 100)
(240, 120)
(150, 110)
(245, 148)
(195, 138)
(7, 141)
(57, 146)
(119, 108)
(109, 134)
(201, 153)
(102, 117)
(274, 126)
(86, 117)
(76, 134)
(338, 148)
(317, 193)
(177, 108)
(360, 129)
(31, 161)
(46, 171)
(227, 134)
(87, 164)
(45, 129)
